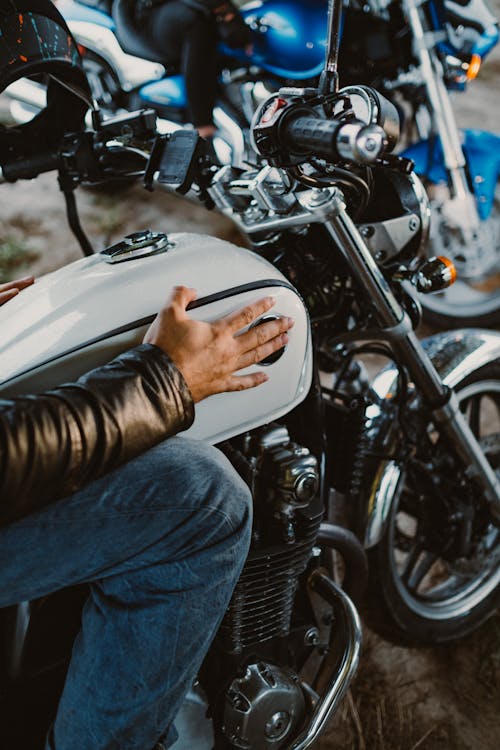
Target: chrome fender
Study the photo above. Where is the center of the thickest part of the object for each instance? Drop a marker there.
(455, 355)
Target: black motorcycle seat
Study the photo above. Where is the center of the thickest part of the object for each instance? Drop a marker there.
(132, 39)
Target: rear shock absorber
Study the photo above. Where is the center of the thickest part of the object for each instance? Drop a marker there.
(347, 440)
(360, 454)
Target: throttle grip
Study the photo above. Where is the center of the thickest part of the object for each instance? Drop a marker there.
(310, 135)
(27, 169)
(334, 140)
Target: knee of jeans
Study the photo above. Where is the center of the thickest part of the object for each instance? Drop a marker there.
(218, 485)
(227, 488)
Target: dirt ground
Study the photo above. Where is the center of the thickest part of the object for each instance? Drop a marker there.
(445, 697)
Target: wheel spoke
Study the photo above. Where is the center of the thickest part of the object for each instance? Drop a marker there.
(412, 559)
(418, 568)
(447, 588)
(475, 415)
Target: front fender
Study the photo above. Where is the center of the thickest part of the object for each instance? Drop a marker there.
(455, 355)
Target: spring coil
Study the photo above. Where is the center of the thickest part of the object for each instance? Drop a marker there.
(347, 441)
(360, 458)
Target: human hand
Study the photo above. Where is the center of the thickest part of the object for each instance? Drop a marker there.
(208, 354)
(12, 288)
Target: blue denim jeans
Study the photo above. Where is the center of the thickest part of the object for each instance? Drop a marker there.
(161, 541)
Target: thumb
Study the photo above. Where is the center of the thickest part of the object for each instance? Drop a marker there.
(180, 299)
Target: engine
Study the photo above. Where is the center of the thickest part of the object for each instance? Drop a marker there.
(264, 702)
(284, 480)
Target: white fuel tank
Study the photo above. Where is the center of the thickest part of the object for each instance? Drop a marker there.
(87, 312)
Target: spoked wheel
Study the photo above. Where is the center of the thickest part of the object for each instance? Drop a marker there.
(436, 571)
(474, 299)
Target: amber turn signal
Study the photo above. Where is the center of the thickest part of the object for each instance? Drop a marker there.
(474, 65)
(435, 274)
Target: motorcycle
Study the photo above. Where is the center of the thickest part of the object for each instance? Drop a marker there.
(413, 53)
(409, 455)
(125, 73)
(418, 54)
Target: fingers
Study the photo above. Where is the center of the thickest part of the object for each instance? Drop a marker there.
(244, 317)
(180, 298)
(244, 382)
(24, 282)
(7, 295)
(255, 356)
(261, 334)
(12, 288)
(17, 284)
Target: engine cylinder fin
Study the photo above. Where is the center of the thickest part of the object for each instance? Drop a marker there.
(262, 603)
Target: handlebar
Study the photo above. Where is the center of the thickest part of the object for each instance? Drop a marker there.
(295, 126)
(334, 140)
(89, 156)
(28, 169)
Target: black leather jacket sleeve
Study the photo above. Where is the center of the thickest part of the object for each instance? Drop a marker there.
(54, 443)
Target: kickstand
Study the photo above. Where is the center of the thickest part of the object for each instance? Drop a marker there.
(67, 187)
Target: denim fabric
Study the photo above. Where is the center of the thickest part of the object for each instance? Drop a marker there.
(162, 541)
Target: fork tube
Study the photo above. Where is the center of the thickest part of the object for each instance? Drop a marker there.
(390, 313)
(441, 109)
(409, 349)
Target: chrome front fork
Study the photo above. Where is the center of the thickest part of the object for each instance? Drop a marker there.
(461, 211)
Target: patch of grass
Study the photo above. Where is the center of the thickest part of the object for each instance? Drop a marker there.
(15, 257)
(27, 225)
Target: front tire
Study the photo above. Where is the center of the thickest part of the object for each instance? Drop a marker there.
(418, 592)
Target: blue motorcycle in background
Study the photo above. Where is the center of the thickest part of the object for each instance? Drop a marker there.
(414, 53)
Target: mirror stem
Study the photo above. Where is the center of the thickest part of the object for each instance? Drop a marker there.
(329, 79)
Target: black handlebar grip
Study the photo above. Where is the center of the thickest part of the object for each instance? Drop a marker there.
(27, 169)
(350, 140)
(311, 135)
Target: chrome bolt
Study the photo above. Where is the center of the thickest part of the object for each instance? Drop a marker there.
(319, 197)
(311, 637)
(277, 725)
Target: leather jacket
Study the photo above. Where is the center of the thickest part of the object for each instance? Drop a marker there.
(53, 444)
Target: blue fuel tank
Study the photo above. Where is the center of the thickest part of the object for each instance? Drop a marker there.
(289, 36)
